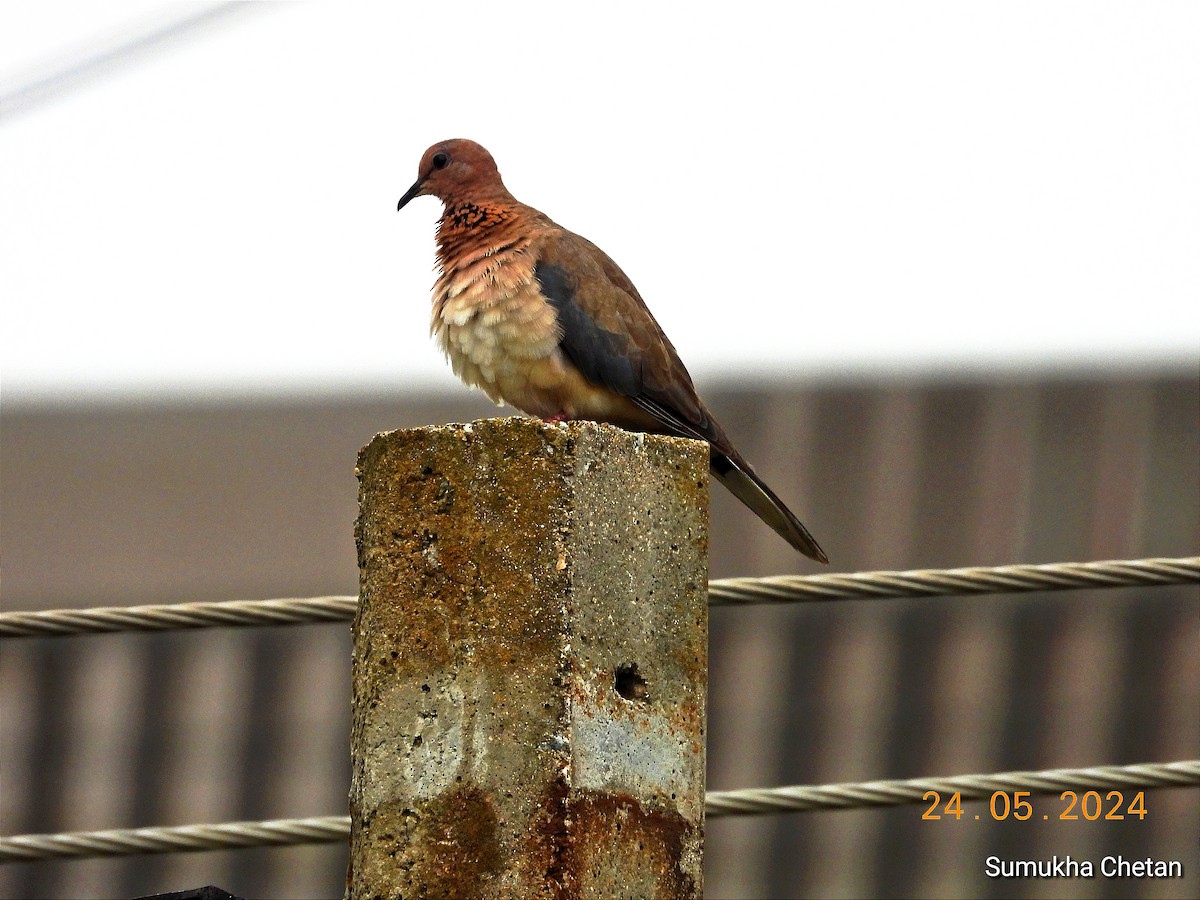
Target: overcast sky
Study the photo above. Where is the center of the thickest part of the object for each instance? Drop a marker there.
(800, 190)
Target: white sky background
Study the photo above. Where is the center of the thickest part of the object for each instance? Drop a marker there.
(798, 190)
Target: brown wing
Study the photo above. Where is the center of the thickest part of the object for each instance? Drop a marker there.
(609, 334)
(612, 338)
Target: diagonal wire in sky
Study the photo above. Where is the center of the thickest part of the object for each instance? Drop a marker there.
(42, 84)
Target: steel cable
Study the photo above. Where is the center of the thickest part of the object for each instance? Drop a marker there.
(330, 829)
(721, 592)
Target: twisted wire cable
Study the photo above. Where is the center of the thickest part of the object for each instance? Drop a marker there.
(945, 582)
(330, 829)
(721, 592)
(968, 787)
(169, 616)
(174, 839)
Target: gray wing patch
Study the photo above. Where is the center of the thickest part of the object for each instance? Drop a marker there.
(599, 354)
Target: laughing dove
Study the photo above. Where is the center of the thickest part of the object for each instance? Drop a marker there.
(540, 318)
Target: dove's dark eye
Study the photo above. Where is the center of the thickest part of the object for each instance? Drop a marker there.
(441, 160)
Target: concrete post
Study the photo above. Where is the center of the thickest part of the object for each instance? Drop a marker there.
(530, 663)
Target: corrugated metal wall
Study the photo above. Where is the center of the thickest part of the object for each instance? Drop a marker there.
(257, 500)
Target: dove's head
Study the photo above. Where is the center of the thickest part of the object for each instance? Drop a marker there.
(456, 171)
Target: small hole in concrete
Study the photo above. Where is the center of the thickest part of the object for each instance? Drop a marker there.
(630, 684)
(417, 741)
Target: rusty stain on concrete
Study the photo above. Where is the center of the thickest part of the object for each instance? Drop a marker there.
(510, 571)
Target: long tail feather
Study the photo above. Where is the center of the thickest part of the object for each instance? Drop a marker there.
(745, 484)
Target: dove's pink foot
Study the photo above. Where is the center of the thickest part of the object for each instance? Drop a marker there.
(557, 417)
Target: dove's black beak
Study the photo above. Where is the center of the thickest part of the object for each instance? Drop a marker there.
(414, 191)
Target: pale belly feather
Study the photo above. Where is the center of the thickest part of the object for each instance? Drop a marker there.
(502, 336)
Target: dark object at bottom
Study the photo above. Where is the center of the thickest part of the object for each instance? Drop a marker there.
(208, 892)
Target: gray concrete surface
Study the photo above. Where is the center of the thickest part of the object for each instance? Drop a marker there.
(530, 663)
